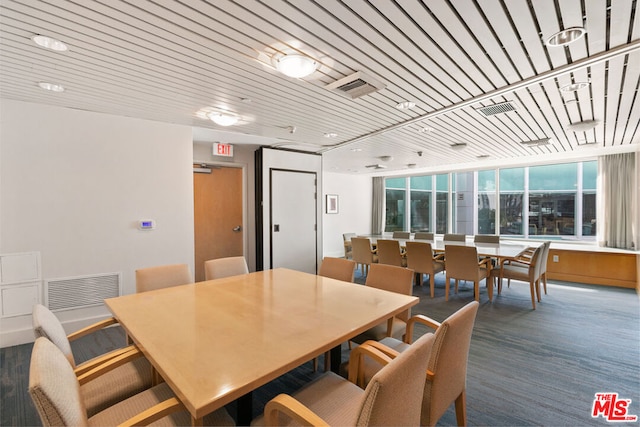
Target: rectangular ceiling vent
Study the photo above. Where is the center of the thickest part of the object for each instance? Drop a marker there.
(356, 85)
(503, 107)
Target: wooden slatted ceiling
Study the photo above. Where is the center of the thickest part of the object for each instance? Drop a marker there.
(172, 60)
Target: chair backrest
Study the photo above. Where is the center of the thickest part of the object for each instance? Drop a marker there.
(461, 262)
(225, 267)
(535, 269)
(486, 238)
(448, 361)
(54, 387)
(389, 252)
(394, 394)
(544, 257)
(338, 268)
(47, 325)
(420, 257)
(393, 279)
(423, 236)
(347, 236)
(163, 276)
(401, 235)
(455, 237)
(361, 249)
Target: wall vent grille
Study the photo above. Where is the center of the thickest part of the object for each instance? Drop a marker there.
(85, 291)
(503, 107)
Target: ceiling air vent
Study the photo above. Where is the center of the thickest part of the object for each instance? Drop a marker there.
(503, 107)
(356, 85)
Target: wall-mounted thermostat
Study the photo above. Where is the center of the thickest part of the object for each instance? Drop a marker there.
(147, 224)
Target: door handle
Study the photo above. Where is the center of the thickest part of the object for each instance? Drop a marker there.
(238, 228)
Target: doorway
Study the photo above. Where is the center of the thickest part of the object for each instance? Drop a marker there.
(218, 228)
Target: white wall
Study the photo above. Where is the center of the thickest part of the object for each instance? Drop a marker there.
(355, 194)
(73, 185)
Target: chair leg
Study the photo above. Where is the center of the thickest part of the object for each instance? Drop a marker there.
(476, 289)
(456, 286)
(327, 361)
(489, 283)
(461, 409)
(544, 281)
(533, 297)
(432, 285)
(446, 288)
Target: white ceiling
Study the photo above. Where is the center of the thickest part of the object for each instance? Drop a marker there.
(170, 60)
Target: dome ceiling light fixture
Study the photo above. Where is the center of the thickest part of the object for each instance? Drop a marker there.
(405, 105)
(53, 87)
(49, 43)
(573, 87)
(386, 158)
(294, 65)
(566, 36)
(583, 126)
(223, 119)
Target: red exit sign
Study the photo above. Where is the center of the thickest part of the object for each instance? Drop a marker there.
(220, 149)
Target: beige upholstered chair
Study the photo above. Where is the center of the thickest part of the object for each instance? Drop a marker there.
(56, 394)
(362, 253)
(338, 268)
(393, 279)
(225, 267)
(119, 384)
(389, 253)
(164, 276)
(401, 235)
(462, 264)
(447, 366)
(392, 397)
(526, 269)
(486, 238)
(421, 260)
(454, 237)
(348, 250)
(423, 236)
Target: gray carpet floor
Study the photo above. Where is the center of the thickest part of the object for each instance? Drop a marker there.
(526, 367)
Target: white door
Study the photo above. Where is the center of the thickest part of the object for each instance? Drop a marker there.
(293, 220)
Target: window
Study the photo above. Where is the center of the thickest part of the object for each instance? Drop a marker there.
(549, 202)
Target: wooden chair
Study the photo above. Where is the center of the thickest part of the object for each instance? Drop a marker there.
(389, 253)
(447, 366)
(56, 393)
(362, 253)
(462, 264)
(455, 237)
(486, 238)
(392, 397)
(421, 260)
(526, 269)
(401, 235)
(423, 236)
(393, 279)
(164, 276)
(338, 268)
(119, 384)
(225, 267)
(348, 250)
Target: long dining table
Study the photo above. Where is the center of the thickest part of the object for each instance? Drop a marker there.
(214, 342)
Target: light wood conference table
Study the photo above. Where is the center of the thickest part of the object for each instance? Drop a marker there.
(214, 342)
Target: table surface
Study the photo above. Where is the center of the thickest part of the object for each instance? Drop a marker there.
(215, 341)
(497, 250)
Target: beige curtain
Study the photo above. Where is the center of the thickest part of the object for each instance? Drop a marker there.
(377, 208)
(617, 192)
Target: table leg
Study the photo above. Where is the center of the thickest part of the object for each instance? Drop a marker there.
(336, 358)
(245, 409)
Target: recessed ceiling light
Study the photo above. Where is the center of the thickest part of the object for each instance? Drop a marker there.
(49, 43)
(564, 37)
(295, 65)
(426, 130)
(223, 119)
(574, 86)
(405, 105)
(53, 87)
(330, 135)
(356, 150)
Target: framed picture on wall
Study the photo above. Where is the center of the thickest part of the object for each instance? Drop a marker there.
(332, 203)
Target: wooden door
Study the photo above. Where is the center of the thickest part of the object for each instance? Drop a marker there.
(217, 215)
